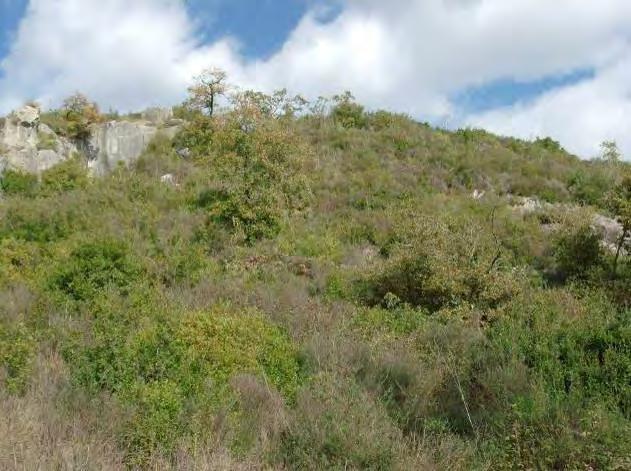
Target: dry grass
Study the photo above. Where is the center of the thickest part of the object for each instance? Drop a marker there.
(36, 434)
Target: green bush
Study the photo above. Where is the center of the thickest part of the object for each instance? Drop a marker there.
(93, 267)
(254, 172)
(166, 368)
(17, 349)
(17, 183)
(349, 114)
(436, 266)
(577, 252)
(66, 176)
(577, 354)
(38, 220)
(156, 421)
(222, 344)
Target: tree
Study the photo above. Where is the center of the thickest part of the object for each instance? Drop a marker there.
(619, 202)
(610, 152)
(209, 85)
(347, 112)
(79, 113)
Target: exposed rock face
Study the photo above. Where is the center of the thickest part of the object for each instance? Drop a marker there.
(120, 142)
(610, 231)
(28, 116)
(117, 142)
(27, 145)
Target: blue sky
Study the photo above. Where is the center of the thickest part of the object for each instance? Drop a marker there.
(11, 11)
(261, 26)
(490, 63)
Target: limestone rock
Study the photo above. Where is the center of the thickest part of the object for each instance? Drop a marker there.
(609, 229)
(28, 116)
(20, 146)
(117, 142)
(168, 179)
(185, 152)
(478, 194)
(529, 205)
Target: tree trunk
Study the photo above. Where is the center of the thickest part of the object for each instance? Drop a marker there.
(211, 109)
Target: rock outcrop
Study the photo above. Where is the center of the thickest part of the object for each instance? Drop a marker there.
(115, 143)
(27, 145)
(607, 228)
(121, 143)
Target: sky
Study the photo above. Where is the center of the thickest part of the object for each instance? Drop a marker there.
(526, 68)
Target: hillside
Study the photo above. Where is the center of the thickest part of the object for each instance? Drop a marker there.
(276, 284)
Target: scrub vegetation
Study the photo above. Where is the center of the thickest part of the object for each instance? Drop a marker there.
(316, 288)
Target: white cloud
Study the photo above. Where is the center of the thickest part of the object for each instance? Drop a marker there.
(407, 55)
(580, 116)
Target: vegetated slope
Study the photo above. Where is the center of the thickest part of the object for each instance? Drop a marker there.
(317, 291)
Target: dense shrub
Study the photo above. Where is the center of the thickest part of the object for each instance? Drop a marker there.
(315, 291)
(436, 266)
(94, 267)
(577, 251)
(254, 172)
(66, 176)
(157, 364)
(17, 183)
(17, 349)
(38, 221)
(347, 113)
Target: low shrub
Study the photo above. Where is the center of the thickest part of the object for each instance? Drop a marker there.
(15, 183)
(93, 267)
(66, 176)
(17, 349)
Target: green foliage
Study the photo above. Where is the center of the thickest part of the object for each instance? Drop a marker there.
(589, 187)
(46, 141)
(221, 345)
(549, 144)
(17, 348)
(66, 176)
(37, 221)
(347, 113)
(156, 364)
(255, 160)
(156, 422)
(74, 119)
(94, 267)
(317, 290)
(437, 266)
(577, 252)
(18, 183)
(577, 355)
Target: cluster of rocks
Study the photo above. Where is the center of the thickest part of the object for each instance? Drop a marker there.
(608, 228)
(28, 145)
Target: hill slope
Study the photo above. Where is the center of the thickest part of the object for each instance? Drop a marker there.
(335, 289)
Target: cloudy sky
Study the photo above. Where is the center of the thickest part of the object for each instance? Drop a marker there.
(530, 68)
